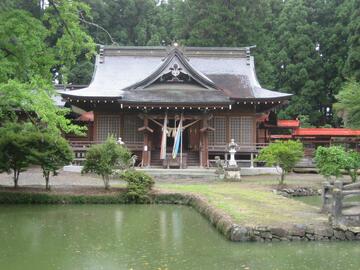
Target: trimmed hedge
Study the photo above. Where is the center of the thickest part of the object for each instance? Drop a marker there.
(120, 198)
(42, 198)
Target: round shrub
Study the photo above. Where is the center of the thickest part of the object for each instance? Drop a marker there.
(138, 186)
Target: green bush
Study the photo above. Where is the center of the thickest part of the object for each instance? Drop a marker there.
(138, 186)
(284, 154)
(352, 164)
(334, 160)
(330, 160)
(104, 159)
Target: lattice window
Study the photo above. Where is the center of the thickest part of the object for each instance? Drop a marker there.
(218, 136)
(131, 133)
(247, 130)
(235, 128)
(107, 125)
(242, 129)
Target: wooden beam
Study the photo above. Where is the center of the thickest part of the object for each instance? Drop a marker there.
(144, 128)
(172, 116)
(208, 128)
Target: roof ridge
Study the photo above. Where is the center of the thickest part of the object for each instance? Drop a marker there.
(226, 48)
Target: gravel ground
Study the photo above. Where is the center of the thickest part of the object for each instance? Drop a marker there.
(33, 178)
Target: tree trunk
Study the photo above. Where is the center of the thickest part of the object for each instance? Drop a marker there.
(47, 178)
(106, 182)
(353, 174)
(282, 177)
(16, 178)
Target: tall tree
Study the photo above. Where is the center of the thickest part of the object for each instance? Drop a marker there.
(298, 61)
(129, 22)
(352, 66)
(32, 49)
(348, 105)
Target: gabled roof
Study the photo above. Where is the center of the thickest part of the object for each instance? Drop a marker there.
(218, 75)
(175, 82)
(174, 63)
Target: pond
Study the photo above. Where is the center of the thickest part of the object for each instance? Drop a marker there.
(317, 200)
(312, 200)
(145, 237)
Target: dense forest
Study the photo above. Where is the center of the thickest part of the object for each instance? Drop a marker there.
(310, 48)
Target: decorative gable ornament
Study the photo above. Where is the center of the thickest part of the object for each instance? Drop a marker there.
(175, 69)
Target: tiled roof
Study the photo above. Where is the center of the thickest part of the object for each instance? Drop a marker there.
(174, 94)
(332, 132)
(231, 72)
(288, 123)
(281, 136)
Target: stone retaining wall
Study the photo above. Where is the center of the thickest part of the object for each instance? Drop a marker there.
(298, 192)
(238, 233)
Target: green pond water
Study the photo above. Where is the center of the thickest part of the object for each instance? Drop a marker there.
(145, 237)
(317, 200)
(312, 200)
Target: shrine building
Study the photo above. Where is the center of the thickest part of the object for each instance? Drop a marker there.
(176, 104)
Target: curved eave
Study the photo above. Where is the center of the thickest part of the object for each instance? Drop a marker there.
(264, 99)
(183, 103)
(75, 97)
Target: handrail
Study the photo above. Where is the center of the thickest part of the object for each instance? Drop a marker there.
(350, 186)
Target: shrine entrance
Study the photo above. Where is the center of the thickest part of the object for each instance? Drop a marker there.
(188, 151)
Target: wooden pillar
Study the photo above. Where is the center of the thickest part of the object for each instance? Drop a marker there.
(146, 159)
(204, 141)
(95, 127)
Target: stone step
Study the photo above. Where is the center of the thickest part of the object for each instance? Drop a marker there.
(193, 159)
(189, 173)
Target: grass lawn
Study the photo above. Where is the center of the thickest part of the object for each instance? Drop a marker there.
(292, 180)
(252, 204)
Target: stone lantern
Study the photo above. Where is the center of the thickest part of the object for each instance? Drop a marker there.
(232, 171)
(232, 150)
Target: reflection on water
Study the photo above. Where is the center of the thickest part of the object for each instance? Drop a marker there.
(145, 237)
